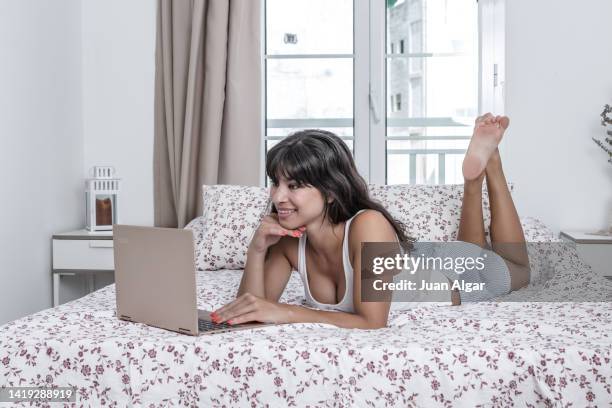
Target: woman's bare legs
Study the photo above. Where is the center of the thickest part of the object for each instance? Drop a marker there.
(471, 224)
(507, 238)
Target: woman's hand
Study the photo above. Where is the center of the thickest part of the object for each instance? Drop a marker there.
(250, 308)
(270, 232)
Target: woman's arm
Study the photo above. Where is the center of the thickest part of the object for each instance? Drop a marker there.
(266, 275)
(253, 276)
(267, 269)
(300, 314)
(251, 308)
(369, 226)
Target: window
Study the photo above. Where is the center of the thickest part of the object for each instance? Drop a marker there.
(421, 56)
(309, 80)
(416, 97)
(416, 45)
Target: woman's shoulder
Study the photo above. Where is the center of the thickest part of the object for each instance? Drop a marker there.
(368, 215)
(371, 225)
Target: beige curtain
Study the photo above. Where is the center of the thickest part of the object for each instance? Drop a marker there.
(207, 102)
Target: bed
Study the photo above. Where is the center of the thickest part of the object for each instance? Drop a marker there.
(528, 348)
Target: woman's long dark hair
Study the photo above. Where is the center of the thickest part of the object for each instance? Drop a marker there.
(321, 159)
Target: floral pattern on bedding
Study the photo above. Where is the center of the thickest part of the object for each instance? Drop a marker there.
(229, 218)
(428, 212)
(484, 354)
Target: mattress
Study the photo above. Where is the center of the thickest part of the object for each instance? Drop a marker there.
(506, 352)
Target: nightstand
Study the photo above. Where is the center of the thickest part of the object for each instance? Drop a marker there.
(596, 250)
(81, 252)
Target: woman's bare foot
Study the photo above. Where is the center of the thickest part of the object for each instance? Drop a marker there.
(488, 133)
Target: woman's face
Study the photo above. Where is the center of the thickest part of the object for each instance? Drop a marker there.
(296, 205)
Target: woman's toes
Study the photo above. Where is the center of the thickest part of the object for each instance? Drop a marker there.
(504, 121)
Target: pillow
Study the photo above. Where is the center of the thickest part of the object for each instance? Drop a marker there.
(229, 218)
(429, 212)
(232, 213)
(536, 231)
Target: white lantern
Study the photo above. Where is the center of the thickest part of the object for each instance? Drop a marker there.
(102, 199)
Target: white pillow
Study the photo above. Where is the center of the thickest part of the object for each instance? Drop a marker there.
(232, 213)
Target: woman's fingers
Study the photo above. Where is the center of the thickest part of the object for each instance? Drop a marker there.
(273, 228)
(236, 302)
(244, 303)
(245, 318)
(270, 232)
(235, 312)
(276, 229)
(272, 220)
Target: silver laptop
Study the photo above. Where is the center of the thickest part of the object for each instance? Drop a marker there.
(155, 281)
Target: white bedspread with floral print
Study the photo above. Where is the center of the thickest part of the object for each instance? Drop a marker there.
(485, 354)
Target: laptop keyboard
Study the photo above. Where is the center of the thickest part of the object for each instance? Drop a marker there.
(206, 325)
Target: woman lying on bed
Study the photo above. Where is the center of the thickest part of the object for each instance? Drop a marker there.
(321, 213)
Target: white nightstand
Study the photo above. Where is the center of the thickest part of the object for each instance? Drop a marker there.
(81, 252)
(596, 250)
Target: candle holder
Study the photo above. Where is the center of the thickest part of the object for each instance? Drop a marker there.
(102, 199)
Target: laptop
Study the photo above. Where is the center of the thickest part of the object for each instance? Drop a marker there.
(155, 281)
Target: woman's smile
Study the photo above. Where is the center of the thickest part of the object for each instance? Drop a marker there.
(284, 213)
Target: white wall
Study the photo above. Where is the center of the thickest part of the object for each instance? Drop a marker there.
(118, 48)
(41, 145)
(77, 91)
(558, 77)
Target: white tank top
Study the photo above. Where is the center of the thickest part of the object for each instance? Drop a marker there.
(346, 304)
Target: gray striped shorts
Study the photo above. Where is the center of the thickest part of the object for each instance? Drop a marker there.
(495, 275)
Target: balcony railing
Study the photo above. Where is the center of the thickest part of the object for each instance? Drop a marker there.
(332, 123)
